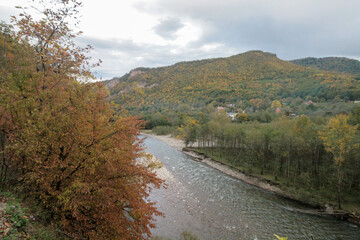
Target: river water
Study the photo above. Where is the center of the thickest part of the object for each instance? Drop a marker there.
(212, 205)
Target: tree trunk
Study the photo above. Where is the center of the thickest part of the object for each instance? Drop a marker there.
(3, 159)
(339, 173)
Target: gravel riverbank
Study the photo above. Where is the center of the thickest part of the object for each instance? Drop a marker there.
(179, 145)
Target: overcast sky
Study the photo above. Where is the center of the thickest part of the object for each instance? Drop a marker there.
(149, 33)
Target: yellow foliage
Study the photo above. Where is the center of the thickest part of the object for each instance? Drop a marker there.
(276, 104)
(338, 136)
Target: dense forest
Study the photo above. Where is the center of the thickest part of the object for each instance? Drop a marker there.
(61, 143)
(333, 64)
(301, 154)
(252, 76)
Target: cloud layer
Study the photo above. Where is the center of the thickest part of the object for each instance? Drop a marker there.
(168, 27)
(151, 33)
(290, 28)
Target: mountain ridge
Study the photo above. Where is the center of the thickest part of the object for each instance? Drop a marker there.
(334, 64)
(245, 76)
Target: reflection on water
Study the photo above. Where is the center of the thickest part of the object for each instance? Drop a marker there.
(215, 206)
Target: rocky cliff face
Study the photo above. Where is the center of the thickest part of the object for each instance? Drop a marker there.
(135, 72)
(111, 83)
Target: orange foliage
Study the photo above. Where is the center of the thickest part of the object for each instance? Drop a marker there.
(63, 143)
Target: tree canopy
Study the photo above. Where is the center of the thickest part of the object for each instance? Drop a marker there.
(62, 143)
(256, 77)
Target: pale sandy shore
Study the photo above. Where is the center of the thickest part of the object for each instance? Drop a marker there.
(179, 145)
(167, 139)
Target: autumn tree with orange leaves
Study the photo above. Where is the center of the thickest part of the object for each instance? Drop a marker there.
(61, 142)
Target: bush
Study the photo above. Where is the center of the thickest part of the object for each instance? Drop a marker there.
(163, 130)
(186, 235)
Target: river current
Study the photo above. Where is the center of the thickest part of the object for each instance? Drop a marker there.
(212, 205)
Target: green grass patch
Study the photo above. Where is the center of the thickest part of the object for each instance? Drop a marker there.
(163, 130)
(26, 220)
(147, 131)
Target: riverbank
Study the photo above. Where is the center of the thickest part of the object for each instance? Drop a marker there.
(257, 181)
(179, 145)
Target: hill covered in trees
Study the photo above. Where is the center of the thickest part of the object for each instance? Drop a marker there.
(288, 119)
(254, 75)
(333, 64)
(290, 123)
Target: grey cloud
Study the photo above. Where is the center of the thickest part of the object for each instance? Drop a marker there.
(119, 57)
(292, 29)
(110, 44)
(99, 43)
(168, 27)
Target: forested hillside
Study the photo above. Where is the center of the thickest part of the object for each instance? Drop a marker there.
(333, 64)
(262, 115)
(251, 75)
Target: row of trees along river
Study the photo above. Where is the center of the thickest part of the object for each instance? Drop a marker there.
(317, 162)
(213, 205)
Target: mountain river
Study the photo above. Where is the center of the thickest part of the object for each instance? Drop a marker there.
(212, 205)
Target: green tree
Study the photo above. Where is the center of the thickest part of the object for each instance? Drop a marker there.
(189, 130)
(338, 137)
(276, 104)
(355, 116)
(242, 117)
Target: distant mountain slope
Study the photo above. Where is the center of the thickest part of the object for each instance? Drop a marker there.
(335, 64)
(246, 76)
